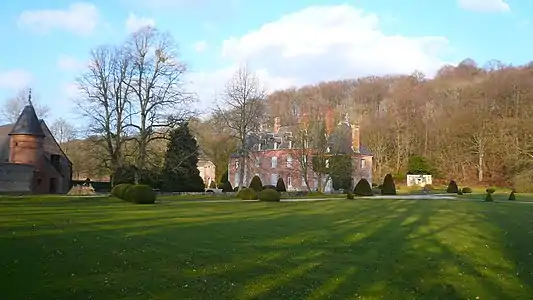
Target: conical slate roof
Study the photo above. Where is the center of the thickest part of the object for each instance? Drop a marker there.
(27, 123)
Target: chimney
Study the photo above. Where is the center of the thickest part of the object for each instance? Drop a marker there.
(277, 124)
(355, 138)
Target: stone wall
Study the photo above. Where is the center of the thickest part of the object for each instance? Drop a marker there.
(16, 178)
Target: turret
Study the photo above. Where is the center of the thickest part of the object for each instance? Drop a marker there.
(26, 137)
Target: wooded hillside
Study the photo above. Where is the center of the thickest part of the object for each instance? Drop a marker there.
(472, 124)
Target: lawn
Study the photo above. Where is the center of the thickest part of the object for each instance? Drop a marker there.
(102, 248)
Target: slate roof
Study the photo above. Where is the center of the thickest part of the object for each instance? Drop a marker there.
(341, 138)
(28, 123)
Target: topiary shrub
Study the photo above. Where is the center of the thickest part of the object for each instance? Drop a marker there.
(140, 194)
(247, 194)
(512, 196)
(256, 184)
(280, 185)
(362, 188)
(119, 190)
(490, 190)
(268, 186)
(349, 196)
(388, 187)
(452, 187)
(269, 195)
(226, 187)
(467, 190)
(459, 192)
(488, 197)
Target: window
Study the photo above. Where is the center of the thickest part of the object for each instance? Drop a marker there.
(273, 179)
(258, 162)
(290, 144)
(289, 161)
(259, 146)
(274, 162)
(363, 163)
(275, 145)
(289, 181)
(327, 163)
(328, 149)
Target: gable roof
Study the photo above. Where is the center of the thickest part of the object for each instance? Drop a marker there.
(28, 123)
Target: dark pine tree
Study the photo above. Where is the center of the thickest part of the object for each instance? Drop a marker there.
(180, 172)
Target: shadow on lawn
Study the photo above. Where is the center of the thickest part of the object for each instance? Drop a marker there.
(317, 250)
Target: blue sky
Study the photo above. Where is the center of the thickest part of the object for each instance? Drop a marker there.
(287, 42)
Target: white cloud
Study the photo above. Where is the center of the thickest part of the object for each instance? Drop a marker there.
(79, 18)
(70, 91)
(327, 43)
(484, 5)
(15, 79)
(200, 46)
(69, 63)
(134, 23)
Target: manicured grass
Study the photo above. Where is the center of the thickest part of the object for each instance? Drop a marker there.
(103, 248)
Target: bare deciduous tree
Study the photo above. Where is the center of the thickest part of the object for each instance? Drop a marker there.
(13, 106)
(158, 97)
(242, 110)
(104, 97)
(63, 132)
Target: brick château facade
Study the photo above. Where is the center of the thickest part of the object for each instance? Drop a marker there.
(275, 153)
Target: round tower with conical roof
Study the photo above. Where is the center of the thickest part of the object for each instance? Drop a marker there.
(26, 138)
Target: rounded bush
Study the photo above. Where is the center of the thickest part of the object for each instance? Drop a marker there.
(467, 190)
(388, 188)
(459, 192)
(490, 190)
(349, 196)
(140, 194)
(452, 187)
(512, 196)
(119, 190)
(268, 186)
(362, 188)
(247, 194)
(269, 195)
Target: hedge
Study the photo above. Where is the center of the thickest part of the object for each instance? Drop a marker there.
(140, 194)
(269, 195)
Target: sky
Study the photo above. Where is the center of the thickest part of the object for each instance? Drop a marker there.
(47, 43)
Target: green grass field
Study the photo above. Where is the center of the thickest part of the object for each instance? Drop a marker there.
(103, 248)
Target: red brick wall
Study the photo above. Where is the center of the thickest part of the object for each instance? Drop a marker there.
(25, 149)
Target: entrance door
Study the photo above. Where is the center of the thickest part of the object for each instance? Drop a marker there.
(53, 185)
